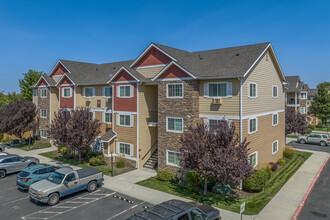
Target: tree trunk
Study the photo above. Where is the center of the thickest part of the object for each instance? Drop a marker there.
(205, 186)
(79, 154)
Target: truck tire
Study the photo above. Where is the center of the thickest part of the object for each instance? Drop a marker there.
(302, 141)
(2, 174)
(322, 143)
(92, 186)
(53, 199)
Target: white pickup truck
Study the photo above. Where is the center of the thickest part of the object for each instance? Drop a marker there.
(64, 182)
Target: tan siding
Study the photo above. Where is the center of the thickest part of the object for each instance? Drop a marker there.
(104, 126)
(54, 102)
(230, 105)
(265, 75)
(150, 72)
(83, 102)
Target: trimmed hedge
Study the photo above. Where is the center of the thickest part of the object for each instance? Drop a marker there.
(165, 175)
(192, 178)
(97, 161)
(256, 182)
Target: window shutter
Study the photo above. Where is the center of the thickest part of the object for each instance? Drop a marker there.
(131, 150)
(117, 119)
(206, 89)
(132, 120)
(118, 91)
(132, 91)
(229, 89)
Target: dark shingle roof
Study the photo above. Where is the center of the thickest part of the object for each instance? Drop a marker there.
(108, 135)
(312, 92)
(292, 83)
(49, 80)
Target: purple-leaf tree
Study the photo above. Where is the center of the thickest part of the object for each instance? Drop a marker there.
(17, 118)
(295, 122)
(215, 153)
(76, 130)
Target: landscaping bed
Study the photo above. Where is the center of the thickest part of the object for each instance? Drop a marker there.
(35, 146)
(255, 202)
(54, 155)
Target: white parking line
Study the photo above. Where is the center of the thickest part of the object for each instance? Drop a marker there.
(8, 189)
(134, 206)
(16, 200)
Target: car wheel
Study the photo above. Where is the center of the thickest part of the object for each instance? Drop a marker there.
(302, 141)
(322, 143)
(92, 186)
(2, 174)
(53, 199)
(31, 164)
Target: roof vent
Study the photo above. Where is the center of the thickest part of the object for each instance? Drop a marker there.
(237, 54)
(114, 67)
(200, 57)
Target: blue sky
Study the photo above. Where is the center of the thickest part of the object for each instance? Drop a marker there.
(35, 34)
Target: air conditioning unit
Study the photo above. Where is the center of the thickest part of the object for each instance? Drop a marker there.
(217, 101)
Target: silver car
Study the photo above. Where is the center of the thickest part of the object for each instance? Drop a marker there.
(321, 139)
(13, 163)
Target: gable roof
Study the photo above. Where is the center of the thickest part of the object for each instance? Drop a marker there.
(294, 84)
(49, 80)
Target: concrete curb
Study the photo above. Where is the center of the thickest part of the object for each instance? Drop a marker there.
(303, 201)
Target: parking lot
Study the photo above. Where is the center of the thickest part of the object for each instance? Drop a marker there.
(101, 204)
(315, 147)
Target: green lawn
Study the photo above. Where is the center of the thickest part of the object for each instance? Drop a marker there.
(35, 146)
(292, 136)
(55, 156)
(254, 204)
(321, 129)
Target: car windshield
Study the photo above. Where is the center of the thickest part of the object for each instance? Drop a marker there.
(23, 174)
(56, 177)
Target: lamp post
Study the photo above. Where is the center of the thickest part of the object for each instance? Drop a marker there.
(30, 141)
(111, 162)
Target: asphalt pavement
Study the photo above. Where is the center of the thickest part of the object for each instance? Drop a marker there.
(313, 147)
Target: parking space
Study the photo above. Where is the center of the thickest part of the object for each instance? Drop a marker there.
(314, 147)
(101, 204)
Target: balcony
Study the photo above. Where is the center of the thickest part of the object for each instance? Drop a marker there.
(291, 102)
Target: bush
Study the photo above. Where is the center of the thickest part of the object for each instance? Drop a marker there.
(97, 161)
(91, 154)
(210, 182)
(120, 163)
(63, 150)
(288, 152)
(256, 182)
(281, 161)
(165, 175)
(222, 189)
(287, 147)
(274, 166)
(192, 178)
(312, 127)
(309, 130)
(269, 170)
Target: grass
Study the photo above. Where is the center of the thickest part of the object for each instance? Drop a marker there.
(292, 136)
(254, 203)
(35, 146)
(321, 129)
(55, 156)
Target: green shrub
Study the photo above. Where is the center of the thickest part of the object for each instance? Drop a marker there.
(120, 163)
(274, 166)
(269, 170)
(288, 153)
(63, 150)
(281, 161)
(97, 161)
(210, 182)
(309, 130)
(192, 178)
(312, 127)
(91, 154)
(256, 182)
(165, 175)
(222, 189)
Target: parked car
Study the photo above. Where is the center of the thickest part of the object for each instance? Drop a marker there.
(2, 154)
(34, 174)
(321, 139)
(178, 210)
(64, 182)
(12, 163)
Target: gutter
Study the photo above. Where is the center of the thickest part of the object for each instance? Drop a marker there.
(240, 109)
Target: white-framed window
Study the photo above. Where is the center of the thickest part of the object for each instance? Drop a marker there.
(275, 147)
(125, 148)
(217, 89)
(213, 124)
(35, 92)
(275, 119)
(253, 159)
(89, 92)
(173, 158)
(107, 92)
(253, 125)
(303, 110)
(174, 90)
(67, 92)
(174, 124)
(107, 117)
(43, 93)
(253, 90)
(303, 95)
(275, 92)
(43, 113)
(43, 133)
(125, 120)
(125, 91)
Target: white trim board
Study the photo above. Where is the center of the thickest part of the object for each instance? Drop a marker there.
(124, 113)
(119, 71)
(151, 66)
(168, 66)
(59, 61)
(175, 79)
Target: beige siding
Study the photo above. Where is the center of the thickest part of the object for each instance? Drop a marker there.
(54, 102)
(265, 75)
(229, 106)
(81, 101)
(148, 107)
(150, 72)
(104, 126)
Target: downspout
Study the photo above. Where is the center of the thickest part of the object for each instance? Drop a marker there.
(240, 109)
(50, 105)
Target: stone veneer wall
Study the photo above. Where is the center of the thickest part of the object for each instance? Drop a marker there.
(43, 103)
(187, 108)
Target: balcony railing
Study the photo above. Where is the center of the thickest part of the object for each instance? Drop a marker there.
(292, 102)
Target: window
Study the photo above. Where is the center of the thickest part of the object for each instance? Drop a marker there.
(174, 90)
(43, 133)
(213, 124)
(125, 149)
(43, 93)
(325, 136)
(303, 110)
(173, 158)
(196, 215)
(253, 93)
(175, 125)
(70, 177)
(125, 120)
(43, 171)
(253, 125)
(303, 95)
(217, 89)
(275, 147)
(66, 92)
(275, 91)
(107, 117)
(275, 119)
(89, 92)
(253, 159)
(35, 92)
(91, 115)
(107, 92)
(125, 91)
(43, 113)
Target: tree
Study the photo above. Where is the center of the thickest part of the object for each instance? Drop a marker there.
(17, 118)
(321, 102)
(215, 153)
(30, 79)
(295, 122)
(9, 98)
(76, 130)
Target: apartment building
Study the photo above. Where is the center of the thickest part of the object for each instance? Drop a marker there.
(296, 94)
(150, 101)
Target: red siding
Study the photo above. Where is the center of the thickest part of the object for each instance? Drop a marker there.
(153, 57)
(125, 104)
(42, 83)
(59, 70)
(123, 76)
(67, 102)
(174, 72)
(66, 81)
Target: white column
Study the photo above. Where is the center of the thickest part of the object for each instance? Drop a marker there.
(295, 101)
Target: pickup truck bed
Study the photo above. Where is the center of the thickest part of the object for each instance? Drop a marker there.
(88, 171)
